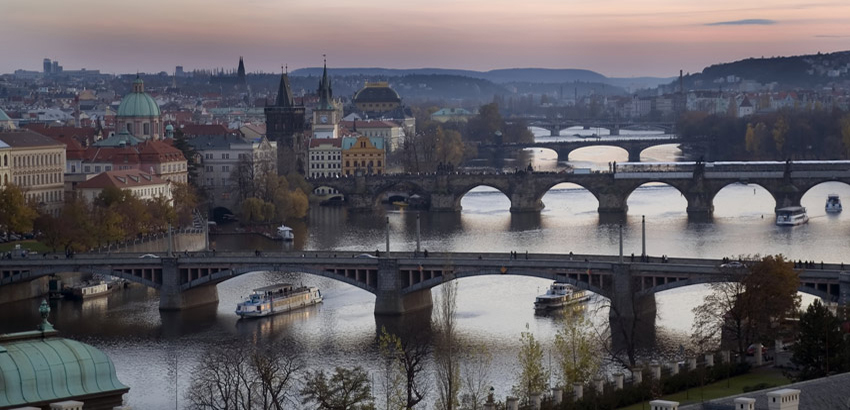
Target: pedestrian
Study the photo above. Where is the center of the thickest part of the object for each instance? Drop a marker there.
(526, 255)
(426, 253)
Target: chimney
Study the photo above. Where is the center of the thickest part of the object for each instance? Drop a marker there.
(663, 405)
(784, 399)
(745, 403)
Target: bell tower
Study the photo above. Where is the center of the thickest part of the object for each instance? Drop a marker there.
(285, 124)
(325, 115)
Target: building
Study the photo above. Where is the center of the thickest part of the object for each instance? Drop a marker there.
(745, 108)
(5, 164)
(390, 131)
(363, 155)
(452, 114)
(141, 184)
(139, 114)
(326, 115)
(325, 157)
(285, 126)
(376, 97)
(37, 167)
(40, 368)
(6, 123)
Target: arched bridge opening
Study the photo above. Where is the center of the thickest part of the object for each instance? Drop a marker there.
(743, 199)
(656, 196)
(365, 278)
(571, 198)
(482, 198)
(829, 292)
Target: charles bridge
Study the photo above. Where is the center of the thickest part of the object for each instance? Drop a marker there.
(402, 281)
(633, 145)
(698, 182)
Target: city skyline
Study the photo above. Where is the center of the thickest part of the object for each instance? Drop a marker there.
(614, 37)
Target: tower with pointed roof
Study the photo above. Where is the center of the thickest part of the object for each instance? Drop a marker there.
(285, 123)
(325, 115)
(240, 73)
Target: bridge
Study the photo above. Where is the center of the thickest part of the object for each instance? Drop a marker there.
(402, 282)
(698, 183)
(556, 125)
(634, 146)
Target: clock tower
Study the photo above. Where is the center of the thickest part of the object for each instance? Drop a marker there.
(325, 115)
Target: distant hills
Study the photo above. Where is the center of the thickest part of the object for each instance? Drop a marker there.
(500, 76)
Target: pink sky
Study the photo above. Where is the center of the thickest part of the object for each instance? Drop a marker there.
(619, 38)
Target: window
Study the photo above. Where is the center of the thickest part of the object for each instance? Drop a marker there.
(147, 129)
(208, 156)
(108, 168)
(208, 168)
(97, 168)
(223, 181)
(129, 128)
(225, 156)
(225, 168)
(210, 182)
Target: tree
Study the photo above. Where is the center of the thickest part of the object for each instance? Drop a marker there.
(15, 214)
(533, 377)
(485, 124)
(186, 200)
(475, 377)
(845, 134)
(780, 131)
(409, 354)
(239, 377)
(748, 304)
(347, 389)
(445, 349)
(576, 348)
(392, 380)
(820, 348)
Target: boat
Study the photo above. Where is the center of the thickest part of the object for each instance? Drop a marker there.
(401, 204)
(833, 204)
(558, 296)
(89, 290)
(274, 299)
(791, 216)
(284, 232)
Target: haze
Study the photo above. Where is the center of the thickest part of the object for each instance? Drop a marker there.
(614, 37)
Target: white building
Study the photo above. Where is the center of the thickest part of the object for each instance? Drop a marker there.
(141, 184)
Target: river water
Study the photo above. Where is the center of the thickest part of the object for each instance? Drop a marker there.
(145, 344)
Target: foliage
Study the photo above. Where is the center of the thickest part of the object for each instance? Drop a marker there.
(406, 356)
(820, 347)
(533, 376)
(266, 197)
(16, 215)
(475, 377)
(240, 377)
(483, 127)
(576, 348)
(446, 355)
(392, 379)
(748, 304)
(347, 389)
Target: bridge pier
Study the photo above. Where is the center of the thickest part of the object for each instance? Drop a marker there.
(444, 203)
(525, 203)
(634, 154)
(632, 316)
(787, 196)
(612, 203)
(389, 299)
(172, 297)
(360, 202)
(615, 130)
(699, 205)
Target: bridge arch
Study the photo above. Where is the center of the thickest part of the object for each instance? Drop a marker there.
(624, 155)
(227, 274)
(758, 190)
(462, 191)
(629, 192)
(467, 273)
(824, 295)
(839, 187)
(410, 187)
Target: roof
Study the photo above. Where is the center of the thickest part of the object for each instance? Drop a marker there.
(27, 138)
(122, 138)
(349, 142)
(191, 130)
(79, 133)
(3, 116)
(215, 142)
(376, 92)
(367, 124)
(334, 142)
(128, 178)
(138, 103)
(825, 393)
(451, 111)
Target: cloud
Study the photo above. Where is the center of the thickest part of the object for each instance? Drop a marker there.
(745, 22)
(831, 36)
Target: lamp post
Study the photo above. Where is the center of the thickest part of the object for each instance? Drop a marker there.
(621, 243)
(418, 233)
(388, 236)
(643, 237)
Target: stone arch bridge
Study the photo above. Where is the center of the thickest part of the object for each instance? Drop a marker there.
(698, 183)
(402, 282)
(634, 146)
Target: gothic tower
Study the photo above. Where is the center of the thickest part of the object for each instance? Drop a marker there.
(325, 115)
(285, 124)
(240, 72)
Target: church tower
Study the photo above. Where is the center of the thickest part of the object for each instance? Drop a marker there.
(285, 124)
(325, 115)
(240, 72)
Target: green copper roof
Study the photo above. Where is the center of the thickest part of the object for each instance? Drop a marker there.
(138, 103)
(36, 370)
(3, 116)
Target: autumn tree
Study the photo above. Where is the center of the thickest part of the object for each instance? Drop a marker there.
(410, 355)
(747, 303)
(392, 379)
(820, 347)
(576, 348)
(533, 376)
(779, 133)
(845, 134)
(346, 389)
(475, 376)
(16, 215)
(446, 354)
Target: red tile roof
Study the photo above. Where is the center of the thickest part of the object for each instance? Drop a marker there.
(335, 142)
(191, 130)
(121, 179)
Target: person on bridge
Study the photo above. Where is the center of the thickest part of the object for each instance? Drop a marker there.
(425, 253)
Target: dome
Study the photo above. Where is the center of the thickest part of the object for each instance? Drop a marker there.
(138, 103)
(377, 92)
(169, 127)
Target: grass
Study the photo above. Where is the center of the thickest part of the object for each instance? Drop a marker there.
(719, 389)
(30, 245)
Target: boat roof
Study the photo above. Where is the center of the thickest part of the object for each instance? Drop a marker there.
(832, 196)
(792, 209)
(273, 287)
(284, 228)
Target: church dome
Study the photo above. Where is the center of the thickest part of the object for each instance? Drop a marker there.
(138, 103)
(377, 93)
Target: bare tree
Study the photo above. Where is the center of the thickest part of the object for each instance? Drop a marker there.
(445, 349)
(410, 354)
(231, 376)
(393, 379)
(475, 378)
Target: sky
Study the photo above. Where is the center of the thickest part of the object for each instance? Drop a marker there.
(617, 38)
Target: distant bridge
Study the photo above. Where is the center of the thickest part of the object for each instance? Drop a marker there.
(633, 145)
(556, 125)
(698, 182)
(402, 282)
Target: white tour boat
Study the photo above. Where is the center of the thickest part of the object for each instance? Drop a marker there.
(833, 204)
(284, 232)
(559, 295)
(275, 299)
(791, 216)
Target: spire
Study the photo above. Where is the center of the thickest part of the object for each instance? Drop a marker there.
(284, 92)
(240, 72)
(325, 90)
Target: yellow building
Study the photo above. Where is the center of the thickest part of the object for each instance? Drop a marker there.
(37, 167)
(363, 154)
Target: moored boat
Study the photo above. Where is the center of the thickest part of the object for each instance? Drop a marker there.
(791, 216)
(284, 232)
(88, 290)
(270, 300)
(833, 204)
(558, 296)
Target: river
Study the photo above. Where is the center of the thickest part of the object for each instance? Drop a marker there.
(145, 343)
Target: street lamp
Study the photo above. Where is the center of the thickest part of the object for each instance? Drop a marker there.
(643, 238)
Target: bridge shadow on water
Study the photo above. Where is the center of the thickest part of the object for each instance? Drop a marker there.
(411, 326)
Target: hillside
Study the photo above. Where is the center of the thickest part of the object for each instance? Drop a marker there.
(806, 71)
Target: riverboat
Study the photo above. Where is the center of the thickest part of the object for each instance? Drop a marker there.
(274, 299)
(558, 296)
(89, 290)
(833, 204)
(285, 233)
(791, 216)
